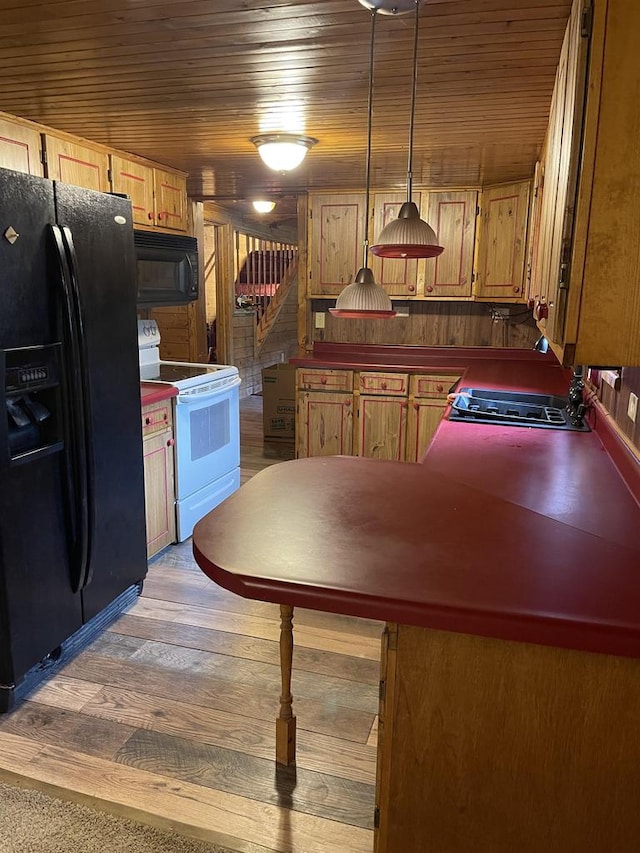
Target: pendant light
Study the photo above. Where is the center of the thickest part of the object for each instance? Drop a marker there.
(363, 298)
(408, 236)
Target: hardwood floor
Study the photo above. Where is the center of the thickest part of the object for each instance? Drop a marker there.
(168, 717)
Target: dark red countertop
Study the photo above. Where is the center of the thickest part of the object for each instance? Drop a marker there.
(510, 532)
(153, 392)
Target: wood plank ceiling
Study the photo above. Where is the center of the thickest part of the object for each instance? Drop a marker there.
(188, 82)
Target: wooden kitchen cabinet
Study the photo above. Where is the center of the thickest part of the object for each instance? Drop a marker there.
(381, 415)
(135, 180)
(398, 276)
(20, 147)
(427, 403)
(170, 195)
(452, 215)
(336, 237)
(502, 242)
(159, 486)
(76, 163)
(587, 261)
(324, 412)
(481, 739)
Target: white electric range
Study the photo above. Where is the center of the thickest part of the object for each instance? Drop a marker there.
(206, 427)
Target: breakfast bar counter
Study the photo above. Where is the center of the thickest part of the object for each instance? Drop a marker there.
(506, 566)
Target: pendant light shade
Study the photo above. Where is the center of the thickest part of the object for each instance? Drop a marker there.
(364, 298)
(409, 236)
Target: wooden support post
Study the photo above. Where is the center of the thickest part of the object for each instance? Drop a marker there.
(286, 722)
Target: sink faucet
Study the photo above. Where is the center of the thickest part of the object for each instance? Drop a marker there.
(575, 405)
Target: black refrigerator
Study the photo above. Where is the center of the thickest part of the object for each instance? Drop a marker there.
(72, 523)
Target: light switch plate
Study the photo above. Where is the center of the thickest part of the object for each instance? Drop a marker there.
(632, 408)
(319, 319)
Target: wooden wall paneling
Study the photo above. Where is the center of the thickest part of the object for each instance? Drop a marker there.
(19, 147)
(452, 215)
(225, 300)
(305, 332)
(174, 325)
(76, 163)
(434, 323)
(198, 309)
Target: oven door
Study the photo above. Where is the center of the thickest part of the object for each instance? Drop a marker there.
(207, 438)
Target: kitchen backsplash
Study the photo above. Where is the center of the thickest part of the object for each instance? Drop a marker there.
(616, 401)
(433, 324)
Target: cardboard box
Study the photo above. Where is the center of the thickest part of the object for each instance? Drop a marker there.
(279, 401)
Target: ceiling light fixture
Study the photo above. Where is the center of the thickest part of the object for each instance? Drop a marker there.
(283, 152)
(363, 298)
(263, 206)
(408, 236)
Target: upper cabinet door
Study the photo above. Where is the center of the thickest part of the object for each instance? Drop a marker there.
(502, 242)
(76, 164)
(452, 215)
(397, 276)
(336, 242)
(171, 200)
(19, 148)
(136, 181)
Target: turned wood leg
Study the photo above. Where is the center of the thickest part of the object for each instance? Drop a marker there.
(286, 722)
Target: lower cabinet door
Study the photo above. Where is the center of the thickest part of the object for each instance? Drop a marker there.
(159, 491)
(424, 417)
(324, 424)
(382, 427)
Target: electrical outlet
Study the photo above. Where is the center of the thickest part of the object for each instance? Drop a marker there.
(632, 408)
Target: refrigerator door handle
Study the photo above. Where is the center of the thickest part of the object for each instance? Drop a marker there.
(75, 438)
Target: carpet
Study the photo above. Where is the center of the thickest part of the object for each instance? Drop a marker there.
(33, 822)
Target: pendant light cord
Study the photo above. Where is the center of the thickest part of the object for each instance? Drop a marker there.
(413, 103)
(369, 123)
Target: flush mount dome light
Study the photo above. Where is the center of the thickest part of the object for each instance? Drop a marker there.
(388, 7)
(283, 152)
(263, 206)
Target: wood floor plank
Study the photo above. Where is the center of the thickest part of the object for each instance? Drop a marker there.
(242, 646)
(254, 737)
(255, 778)
(324, 688)
(16, 750)
(257, 626)
(228, 696)
(51, 725)
(63, 692)
(194, 810)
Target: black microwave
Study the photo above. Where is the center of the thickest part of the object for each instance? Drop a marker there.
(167, 268)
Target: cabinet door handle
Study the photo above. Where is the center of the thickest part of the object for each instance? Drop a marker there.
(150, 215)
(383, 385)
(170, 442)
(516, 289)
(429, 288)
(411, 288)
(323, 380)
(439, 388)
(160, 215)
(147, 421)
(347, 403)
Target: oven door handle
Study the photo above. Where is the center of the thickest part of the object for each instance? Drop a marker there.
(194, 399)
